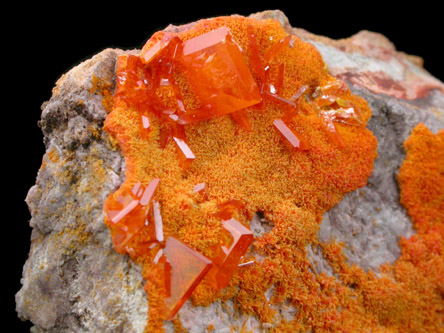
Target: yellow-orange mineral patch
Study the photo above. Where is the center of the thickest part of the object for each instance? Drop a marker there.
(409, 295)
(172, 126)
(421, 266)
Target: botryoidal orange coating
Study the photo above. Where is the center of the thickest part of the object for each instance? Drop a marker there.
(293, 188)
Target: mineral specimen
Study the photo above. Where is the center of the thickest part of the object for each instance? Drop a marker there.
(231, 164)
(209, 71)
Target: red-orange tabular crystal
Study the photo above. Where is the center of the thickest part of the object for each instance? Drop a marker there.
(330, 128)
(227, 261)
(346, 104)
(149, 192)
(132, 84)
(117, 215)
(167, 58)
(290, 114)
(184, 153)
(293, 111)
(144, 126)
(121, 238)
(145, 122)
(164, 135)
(228, 209)
(129, 213)
(170, 128)
(201, 189)
(299, 93)
(295, 140)
(187, 267)
(216, 69)
(277, 48)
(255, 57)
(347, 116)
(329, 93)
(241, 118)
(147, 54)
(158, 221)
(133, 223)
(165, 47)
(336, 88)
(280, 78)
(277, 98)
(177, 94)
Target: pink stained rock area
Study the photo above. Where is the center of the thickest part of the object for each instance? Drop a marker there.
(369, 60)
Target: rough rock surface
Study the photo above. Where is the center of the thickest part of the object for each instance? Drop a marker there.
(73, 280)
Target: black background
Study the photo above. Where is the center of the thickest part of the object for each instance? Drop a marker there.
(44, 42)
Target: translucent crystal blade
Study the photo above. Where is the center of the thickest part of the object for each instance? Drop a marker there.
(149, 191)
(288, 134)
(184, 152)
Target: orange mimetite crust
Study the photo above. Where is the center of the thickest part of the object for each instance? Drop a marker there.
(293, 189)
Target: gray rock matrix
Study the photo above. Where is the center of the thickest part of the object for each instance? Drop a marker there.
(73, 280)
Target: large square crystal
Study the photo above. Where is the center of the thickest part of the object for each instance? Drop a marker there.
(217, 71)
(185, 269)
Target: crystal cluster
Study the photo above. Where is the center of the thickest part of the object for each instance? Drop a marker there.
(214, 68)
(217, 70)
(130, 213)
(182, 267)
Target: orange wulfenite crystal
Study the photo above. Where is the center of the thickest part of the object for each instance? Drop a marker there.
(327, 119)
(165, 46)
(170, 128)
(280, 78)
(158, 224)
(226, 262)
(255, 59)
(184, 152)
(129, 213)
(132, 82)
(294, 139)
(242, 119)
(329, 93)
(276, 48)
(228, 209)
(185, 268)
(161, 58)
(201, 189)
(217, 70)
(145, 126)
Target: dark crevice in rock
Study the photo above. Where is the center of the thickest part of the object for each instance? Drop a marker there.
(260, 224)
